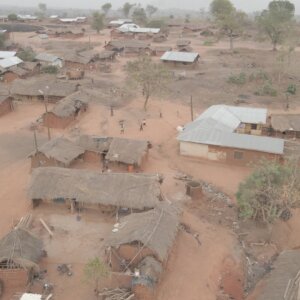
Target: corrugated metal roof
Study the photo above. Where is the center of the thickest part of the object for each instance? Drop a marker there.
(47, 57)
(217, 125)
(136, 29)
(27, 296)
(229, 113)
(7, 54)
(188, 57)
(9, 62)
(233, 140)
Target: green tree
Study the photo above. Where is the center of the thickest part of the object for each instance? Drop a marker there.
(229, 20)
(151, 10)
(150, 77)
(42, 10)
(43, 7)
(139, 15)
(12, 17)
(127, 8)
(98, 21)
(94, 271)
(270, 191)
(276, 21)
(106, 7)
(26, 54)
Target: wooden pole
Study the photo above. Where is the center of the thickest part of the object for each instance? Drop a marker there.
(46, 227)
(35, 140)
(46, 110)
(192, 109)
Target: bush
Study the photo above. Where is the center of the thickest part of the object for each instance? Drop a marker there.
(239, 79)
(50, 69)
(208, 43)
(270, 191)
(259, 76)
(292, 89)
(27, 54)
(266, 90)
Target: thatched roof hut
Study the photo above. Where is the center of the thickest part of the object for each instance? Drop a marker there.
(285, 122)
(136, 191)
(20, 249)
(93, 143)
(282, 280)
(69, 105)
(61, 150)
(33, 86)
(156, 229)
(127, 151)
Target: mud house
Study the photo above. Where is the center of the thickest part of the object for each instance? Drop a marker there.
(229, 134)
(182, 44)
(149, 273)
(107, 192)
(83, 61)
(176, 59)
(49, 59)
(190, 28)
(108, 56)
(66, 111)
(127, 154)
(30, 89)
(159, 38)
(282, 282)
(95, 147)
(285, 125)
(129, 47)
(13, 73)
(20, 253)
(160, 50)
(139, 235)
(58, 152)
(6, 104)
(66, 33)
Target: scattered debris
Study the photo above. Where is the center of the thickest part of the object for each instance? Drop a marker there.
(116, 294)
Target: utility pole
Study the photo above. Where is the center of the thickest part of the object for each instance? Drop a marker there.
(192, 109)
(46, 109)
(35, 140)
(45, 98)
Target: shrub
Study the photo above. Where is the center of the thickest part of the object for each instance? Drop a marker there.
(270, 191)
(259, 76)
(50, 69)
(27, 54)
(239, 79)
(266, 90)
(292, 89)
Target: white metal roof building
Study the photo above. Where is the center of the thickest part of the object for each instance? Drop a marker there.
(137, 29)
(10, 62)
(7, 54)
(218, 124)
(182, 57)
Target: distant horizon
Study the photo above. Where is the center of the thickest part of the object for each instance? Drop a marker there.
(253, 6)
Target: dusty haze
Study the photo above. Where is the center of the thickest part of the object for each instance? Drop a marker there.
(246, 5)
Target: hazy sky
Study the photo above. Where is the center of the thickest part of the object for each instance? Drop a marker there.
(247, 5)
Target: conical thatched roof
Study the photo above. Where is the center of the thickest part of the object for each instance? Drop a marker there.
(20, 247)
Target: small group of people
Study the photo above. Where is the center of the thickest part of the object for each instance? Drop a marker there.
(122, 125)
